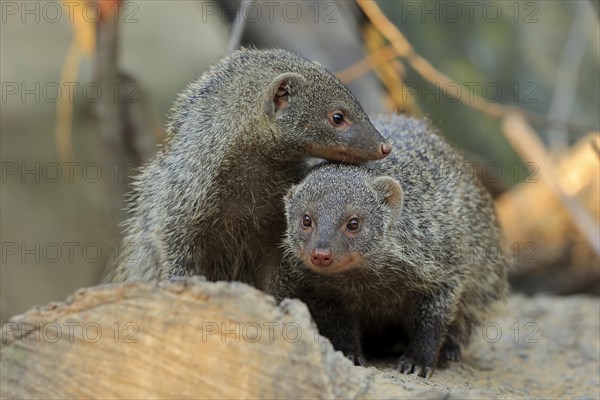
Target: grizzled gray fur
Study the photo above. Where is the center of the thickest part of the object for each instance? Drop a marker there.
(411, 240)
(211, 203)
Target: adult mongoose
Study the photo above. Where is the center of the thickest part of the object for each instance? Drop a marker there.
(211, 202)
(411, 240)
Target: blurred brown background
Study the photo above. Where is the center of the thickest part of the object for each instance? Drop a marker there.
(58, 210)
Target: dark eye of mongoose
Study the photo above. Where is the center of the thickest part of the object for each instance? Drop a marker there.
(338, 118)
(352, 225)
(306, 221)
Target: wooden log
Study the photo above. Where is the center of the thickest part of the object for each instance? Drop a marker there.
(197, 339)
(186, 339)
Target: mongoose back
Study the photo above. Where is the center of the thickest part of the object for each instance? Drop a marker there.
(210, 203)
(410, 240)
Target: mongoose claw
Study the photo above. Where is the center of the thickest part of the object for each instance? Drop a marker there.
(417, 370)
(358, 360)
(407, 366)
(428, 372)
(451, 352)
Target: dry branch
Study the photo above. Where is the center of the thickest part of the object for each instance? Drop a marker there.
(424, 68)
(530, 148)
(405, 50)
(550, 250)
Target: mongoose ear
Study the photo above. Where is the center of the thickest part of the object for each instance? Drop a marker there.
(281, 89)
(390, 191)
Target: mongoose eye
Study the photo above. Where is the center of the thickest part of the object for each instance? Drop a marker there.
(337, 118)
(306, 220)
(353, 224)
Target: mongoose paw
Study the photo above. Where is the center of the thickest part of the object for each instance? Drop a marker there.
(450, 351)
(408, 366)
(357, 360)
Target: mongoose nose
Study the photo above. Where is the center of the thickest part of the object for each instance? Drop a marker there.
(386, 148)
(321, 257)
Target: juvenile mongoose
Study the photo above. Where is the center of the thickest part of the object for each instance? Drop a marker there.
(211, 202)
(411, 240)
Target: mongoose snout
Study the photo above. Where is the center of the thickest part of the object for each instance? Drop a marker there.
(321, 257)
(386, 149)
(325, 261)
(356, 142)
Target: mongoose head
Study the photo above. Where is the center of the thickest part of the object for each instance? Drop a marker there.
(339, 216)
(275, 97)
(317, 114)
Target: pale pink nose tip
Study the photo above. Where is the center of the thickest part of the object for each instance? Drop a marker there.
(386, 149)
(321, 257)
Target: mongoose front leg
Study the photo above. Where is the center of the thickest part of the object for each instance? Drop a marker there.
(427, 328)
(337, 325)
